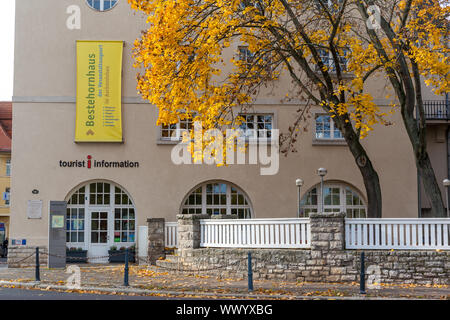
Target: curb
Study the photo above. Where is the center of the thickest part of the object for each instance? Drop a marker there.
(109, 290)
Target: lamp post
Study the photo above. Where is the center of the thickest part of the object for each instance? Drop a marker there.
(298, 183)
(322, 173)
(446, 183)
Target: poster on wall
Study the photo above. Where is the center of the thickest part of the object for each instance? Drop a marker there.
(57, 221)
(34, 209)
(99, 91)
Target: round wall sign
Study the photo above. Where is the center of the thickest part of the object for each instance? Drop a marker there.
(102, 5)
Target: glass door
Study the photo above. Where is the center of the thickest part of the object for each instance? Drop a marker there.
(100, 234)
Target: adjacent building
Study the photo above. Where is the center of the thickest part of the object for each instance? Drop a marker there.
(107, 201)
(5, 167)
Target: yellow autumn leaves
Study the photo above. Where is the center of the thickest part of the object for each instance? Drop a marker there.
(184, 72)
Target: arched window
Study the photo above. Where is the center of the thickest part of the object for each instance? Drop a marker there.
(217, 198)
(100, 213)
(101, 5)
(336, 198)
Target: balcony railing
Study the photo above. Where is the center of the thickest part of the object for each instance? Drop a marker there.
(437, 109)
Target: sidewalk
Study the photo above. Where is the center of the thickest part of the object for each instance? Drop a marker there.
(153, 280)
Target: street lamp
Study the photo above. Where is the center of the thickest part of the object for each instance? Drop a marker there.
(298, 183)
(322, 172)
(446, 183)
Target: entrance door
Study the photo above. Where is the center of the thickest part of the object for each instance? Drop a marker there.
(100, 226)
(100, 215)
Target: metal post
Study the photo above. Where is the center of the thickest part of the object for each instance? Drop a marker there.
(446, 197)
(37, 273)
(125, 277)
(321, 195)
(362, 277)
(250, 272)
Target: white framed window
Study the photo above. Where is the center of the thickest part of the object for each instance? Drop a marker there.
(75, 230)
(174, 132)
(336, 198)
(327, 59)
(326, 129)
(102, 5)
(124, 225)
(88, 211)
(257, 125)
(245, 54)
(248, 57)
(217, 198)
(333, 5)
(6, 196)
(8, 167)
(100, 193)
(250, 3)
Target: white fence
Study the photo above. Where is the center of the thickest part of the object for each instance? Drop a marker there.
(397, 233)
(171, 234)
(255, 233)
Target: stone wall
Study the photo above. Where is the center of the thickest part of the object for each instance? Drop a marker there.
(326, 261)
(283, 264)
(409, 266)
(17, 256)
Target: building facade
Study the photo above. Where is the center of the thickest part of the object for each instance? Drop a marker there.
(107, 202)
(5, 167)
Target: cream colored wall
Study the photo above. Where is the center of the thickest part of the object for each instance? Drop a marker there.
(44, 134)
(5, 182)
(45, 46)
(158, 186)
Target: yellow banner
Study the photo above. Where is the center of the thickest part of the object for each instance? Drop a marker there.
(99, 91)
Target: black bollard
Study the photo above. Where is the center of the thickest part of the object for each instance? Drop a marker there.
(362, 277)
(37, 273)
(250, 272)
(125, 276)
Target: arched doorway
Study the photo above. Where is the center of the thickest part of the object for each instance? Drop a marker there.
(100, 214)
(217, 197)
(337, 197)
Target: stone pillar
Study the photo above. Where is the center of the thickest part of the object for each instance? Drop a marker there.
(329, 261)
(327, 231)
(189, 232)
(156, 241)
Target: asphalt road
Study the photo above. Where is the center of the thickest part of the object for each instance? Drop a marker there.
(25, 294)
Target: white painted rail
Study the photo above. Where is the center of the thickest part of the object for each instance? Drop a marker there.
(171, 234)
(255, 233)
(407, 234)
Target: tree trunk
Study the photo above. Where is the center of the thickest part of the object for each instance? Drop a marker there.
(368, 172)
(431, 186)
(423, 163)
